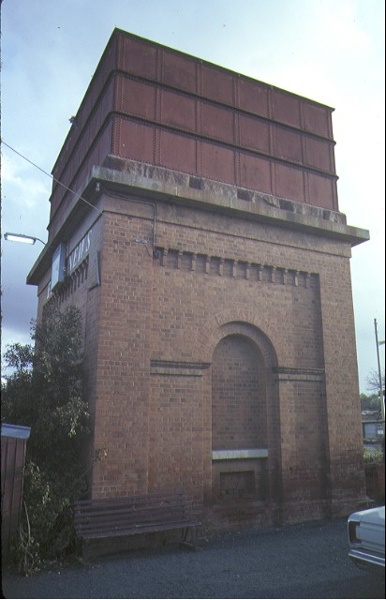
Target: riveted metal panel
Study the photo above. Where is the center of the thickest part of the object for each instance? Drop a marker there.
(217, 123)
(137, 98)
(179, 71)
(321, 191)
(317, 119)
(147, 88)
(178, 110)
(178, 151)
(137, 57)
(318, 154)
(287, 144)
(253, 97)
(255, 173)
(289, 182)
(136, 140)
(254, 134)
(217, 162)
(216, 84)
(286, 108)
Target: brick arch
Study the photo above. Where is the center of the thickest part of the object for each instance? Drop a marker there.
(234, 322)
(259, 478)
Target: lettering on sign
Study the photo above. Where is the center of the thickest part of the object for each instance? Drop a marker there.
(79, 253)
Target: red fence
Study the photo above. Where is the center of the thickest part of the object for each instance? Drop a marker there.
(13, 447)
(375, 483)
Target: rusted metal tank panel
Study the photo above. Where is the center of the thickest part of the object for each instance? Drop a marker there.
(13, 447)
(89, 154)
(95, 96)
(255, 173)
(79, 143)
(137, 56)
(217, 123)
(137, 98)
(217, 84)
(254, 134)
(253, 97)
(178, 152)
(134, 139)
(319, 154)
(287, 144)
(177, 111)
(156, 145)
(285, 108)
(322, 191)
(217, 163)
(180, 71)
(289, 182)
(317, 119)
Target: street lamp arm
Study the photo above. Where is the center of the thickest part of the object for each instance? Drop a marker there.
(21, 237)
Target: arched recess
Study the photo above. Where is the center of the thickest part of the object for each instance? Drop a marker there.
(235, 320)
(245, 415)
(239, 407)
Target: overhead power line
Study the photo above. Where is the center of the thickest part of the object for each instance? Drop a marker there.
(51, 176)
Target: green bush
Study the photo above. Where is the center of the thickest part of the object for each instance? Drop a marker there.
(44, 392)
(372, 458)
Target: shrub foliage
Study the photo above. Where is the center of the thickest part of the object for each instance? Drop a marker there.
(44, 392)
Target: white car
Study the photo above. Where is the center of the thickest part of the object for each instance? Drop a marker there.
(366, 535)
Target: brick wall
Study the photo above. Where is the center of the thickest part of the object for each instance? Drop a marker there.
(239, 417)
(236, 335)
(219, 343)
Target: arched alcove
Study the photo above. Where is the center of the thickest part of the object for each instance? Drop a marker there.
(245, 415)
(239, 412)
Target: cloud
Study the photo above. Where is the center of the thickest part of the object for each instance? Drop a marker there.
(329, 51)
(21, 186)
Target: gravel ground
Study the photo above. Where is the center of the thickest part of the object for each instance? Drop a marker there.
(300, 561)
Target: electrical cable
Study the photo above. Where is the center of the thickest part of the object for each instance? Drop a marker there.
(51, 176)
(101, 212)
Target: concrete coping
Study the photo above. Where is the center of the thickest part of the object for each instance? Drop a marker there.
(154, 181)
(239, 454)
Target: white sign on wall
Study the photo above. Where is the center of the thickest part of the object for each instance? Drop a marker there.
(79, 253)
(58, 265)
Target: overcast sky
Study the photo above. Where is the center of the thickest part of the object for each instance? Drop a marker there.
(331, 51)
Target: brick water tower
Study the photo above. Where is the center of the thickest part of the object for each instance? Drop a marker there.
(203, 242)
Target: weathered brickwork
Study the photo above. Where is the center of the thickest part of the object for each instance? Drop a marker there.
(238, 396)
(162, 313)
(219, 344)
(215, 340)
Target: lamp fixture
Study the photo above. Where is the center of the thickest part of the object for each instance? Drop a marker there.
(22, 238)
